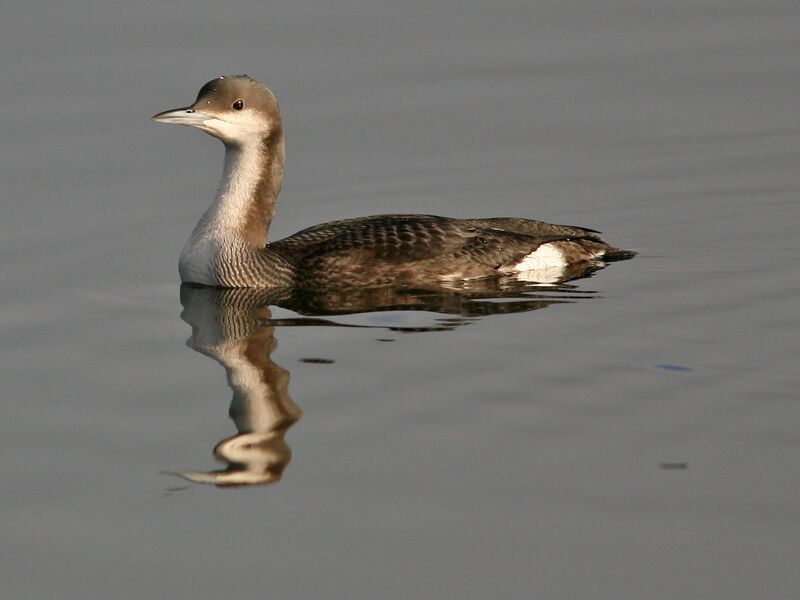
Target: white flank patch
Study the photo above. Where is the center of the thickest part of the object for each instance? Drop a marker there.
(543, 276)
(546, 256)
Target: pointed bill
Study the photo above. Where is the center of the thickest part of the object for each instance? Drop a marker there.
(183, 116)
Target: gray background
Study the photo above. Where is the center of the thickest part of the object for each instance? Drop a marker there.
(515, 457)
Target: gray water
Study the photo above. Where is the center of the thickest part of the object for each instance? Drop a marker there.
(636, 437)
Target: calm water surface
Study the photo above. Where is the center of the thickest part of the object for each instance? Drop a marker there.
(633, 434)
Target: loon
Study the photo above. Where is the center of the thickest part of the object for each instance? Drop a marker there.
(229, 248)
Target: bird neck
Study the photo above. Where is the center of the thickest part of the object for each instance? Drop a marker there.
(248, 192)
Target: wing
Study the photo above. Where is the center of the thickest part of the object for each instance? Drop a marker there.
(397, 238)
(531, 227)
(402, 239)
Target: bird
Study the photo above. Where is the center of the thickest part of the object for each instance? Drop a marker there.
(229, 247)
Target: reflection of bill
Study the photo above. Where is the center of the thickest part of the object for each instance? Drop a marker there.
(235, 328)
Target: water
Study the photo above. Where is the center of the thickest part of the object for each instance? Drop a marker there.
(634, 436)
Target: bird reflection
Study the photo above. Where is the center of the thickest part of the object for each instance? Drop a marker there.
(235, 327)
(228, 326)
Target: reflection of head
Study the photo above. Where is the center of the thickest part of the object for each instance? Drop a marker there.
(254, 459)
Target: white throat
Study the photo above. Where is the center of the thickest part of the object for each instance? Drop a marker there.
(227, 215)
(221, 228)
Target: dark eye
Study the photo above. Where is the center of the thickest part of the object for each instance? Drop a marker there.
(238, 105)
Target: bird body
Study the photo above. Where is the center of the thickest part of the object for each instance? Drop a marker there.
(229, 247)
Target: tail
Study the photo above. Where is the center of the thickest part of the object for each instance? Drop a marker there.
(613, 254)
